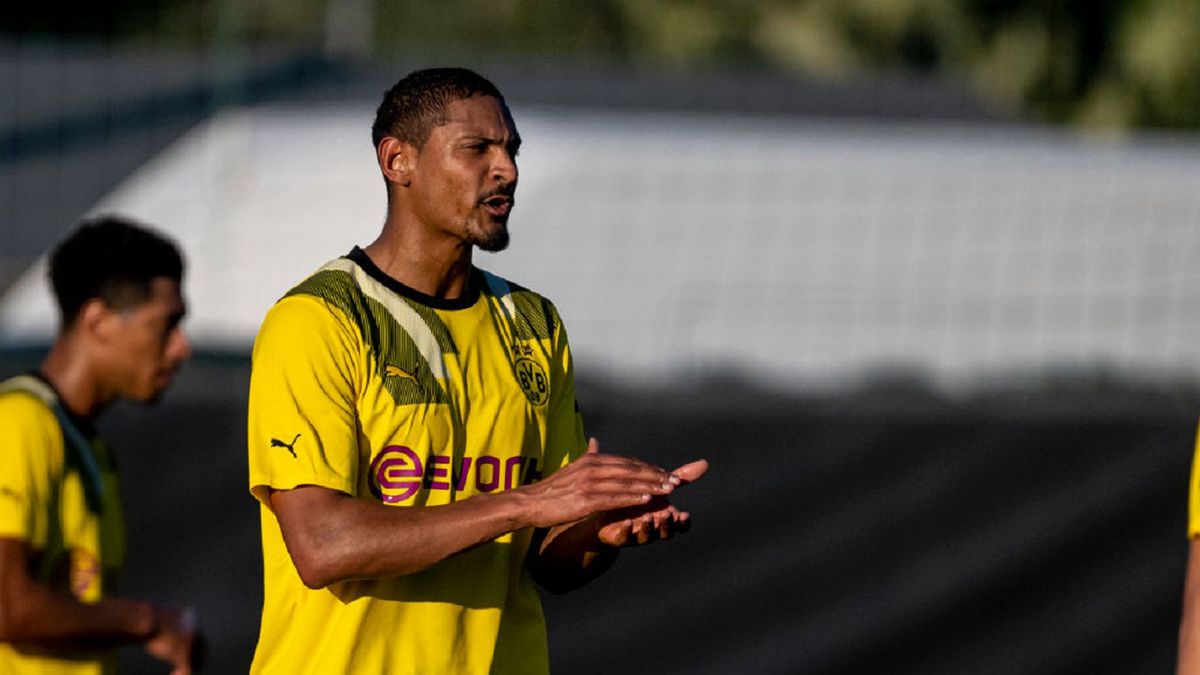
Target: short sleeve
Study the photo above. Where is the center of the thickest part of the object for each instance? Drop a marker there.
(302, 426)
(30, 443)
(1193, 528)
(565, 441)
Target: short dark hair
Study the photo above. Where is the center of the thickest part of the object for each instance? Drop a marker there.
(111, 258)
(417, 103)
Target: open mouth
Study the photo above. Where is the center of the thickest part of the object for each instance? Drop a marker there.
(498, 205)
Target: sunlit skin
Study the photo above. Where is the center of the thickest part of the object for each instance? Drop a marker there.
(454, 193)
(1188, 654)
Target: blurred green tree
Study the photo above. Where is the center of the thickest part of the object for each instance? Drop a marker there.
(1102, 63)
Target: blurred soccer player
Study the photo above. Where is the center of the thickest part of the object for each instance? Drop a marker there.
(61, 531)
(414, 438)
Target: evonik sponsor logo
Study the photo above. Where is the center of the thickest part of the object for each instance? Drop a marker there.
(397, 472)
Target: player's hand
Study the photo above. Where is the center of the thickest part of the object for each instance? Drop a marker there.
(595, 483)
(654, 521)
(177, 640)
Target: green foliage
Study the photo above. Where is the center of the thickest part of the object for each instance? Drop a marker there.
(1109, 63)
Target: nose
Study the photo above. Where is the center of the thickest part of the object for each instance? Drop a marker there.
(504, 166)
(180, 349)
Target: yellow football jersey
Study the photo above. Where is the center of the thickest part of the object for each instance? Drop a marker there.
(1193, 529)
(46, 483)
(365, 386)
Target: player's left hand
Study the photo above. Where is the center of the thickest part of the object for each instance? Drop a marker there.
(177, 641)
(654, 521)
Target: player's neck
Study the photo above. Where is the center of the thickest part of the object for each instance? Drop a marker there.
(74, 378)
(439, 267)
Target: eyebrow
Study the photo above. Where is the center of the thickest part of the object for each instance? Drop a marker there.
(514, 143)
(472, 136)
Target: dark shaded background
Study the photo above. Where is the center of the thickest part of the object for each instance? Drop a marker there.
(1035, 527)
(886, 530)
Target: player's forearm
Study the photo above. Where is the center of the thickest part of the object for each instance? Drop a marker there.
(333, 537)
(33, 612)
(1188, 662)
(1189, 656)
(1189, 641)
(41, 616)
(1189, 626)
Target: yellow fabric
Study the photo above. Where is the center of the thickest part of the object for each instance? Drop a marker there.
(42, 503)
(368, 390)
(1193, 529)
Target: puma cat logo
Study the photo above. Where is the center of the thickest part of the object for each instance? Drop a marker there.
(397, 371)
(276, 443)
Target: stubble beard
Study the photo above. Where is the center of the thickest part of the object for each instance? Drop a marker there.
(493, 240)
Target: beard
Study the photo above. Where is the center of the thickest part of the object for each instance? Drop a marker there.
(490, 231)
(489, 239)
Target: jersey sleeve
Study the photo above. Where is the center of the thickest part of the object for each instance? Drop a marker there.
(30, 442)
(1193, 527)
(565, 441)
(302, 427)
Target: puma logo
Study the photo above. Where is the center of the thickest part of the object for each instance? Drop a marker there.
(276, 443)
(397, 371)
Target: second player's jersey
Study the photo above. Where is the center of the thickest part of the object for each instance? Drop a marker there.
(365, 386)
(58, 494)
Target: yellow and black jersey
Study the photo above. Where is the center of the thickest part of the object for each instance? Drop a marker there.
(60, 495)
(1193, 526)
(363, 385)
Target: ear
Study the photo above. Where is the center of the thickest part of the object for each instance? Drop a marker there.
(96, 320)
(397, 160)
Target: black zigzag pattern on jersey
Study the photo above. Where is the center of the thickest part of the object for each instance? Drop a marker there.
(536, 317)
(388, 341)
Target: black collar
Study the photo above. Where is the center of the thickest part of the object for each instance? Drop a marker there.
(359, 257)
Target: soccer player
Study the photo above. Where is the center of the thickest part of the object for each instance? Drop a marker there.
(61, 532)
(414, 438)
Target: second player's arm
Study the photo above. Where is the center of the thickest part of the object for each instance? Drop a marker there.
(332, 536)
(38, 616)
(1188, 657)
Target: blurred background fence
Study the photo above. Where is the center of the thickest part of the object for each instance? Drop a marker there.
(922, 279)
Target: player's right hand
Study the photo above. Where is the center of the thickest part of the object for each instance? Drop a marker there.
(594, 483)
(176, 640)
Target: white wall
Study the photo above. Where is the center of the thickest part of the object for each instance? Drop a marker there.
(800, 251)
